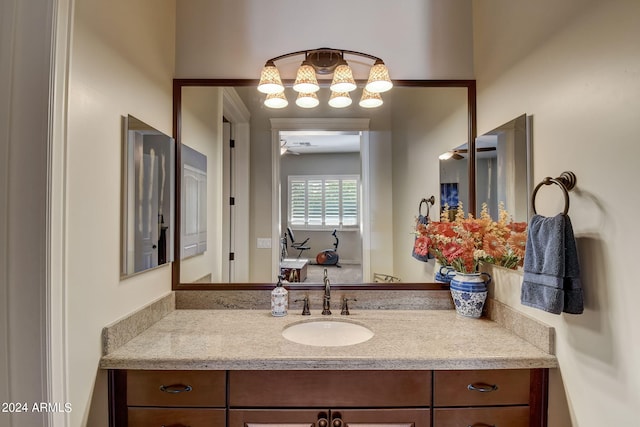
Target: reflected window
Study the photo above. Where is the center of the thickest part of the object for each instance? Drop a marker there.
(321, 202)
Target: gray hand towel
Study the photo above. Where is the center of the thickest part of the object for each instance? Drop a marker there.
(551, 279)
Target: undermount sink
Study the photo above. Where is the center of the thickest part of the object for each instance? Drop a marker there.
(327, 333)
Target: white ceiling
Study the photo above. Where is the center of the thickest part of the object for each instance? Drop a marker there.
(417, 39)
(320, 142)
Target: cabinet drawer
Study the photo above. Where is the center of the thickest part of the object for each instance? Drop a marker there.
(514, 416)
(482, 387)
(155, 417)
(176, 388)
(381, 389)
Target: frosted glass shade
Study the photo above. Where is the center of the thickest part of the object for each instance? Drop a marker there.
(270, 81)
(343, 79)
(276, 100)
(379, 80)
(306, 80)
(370, 99)
(307, 100)
(340, 99)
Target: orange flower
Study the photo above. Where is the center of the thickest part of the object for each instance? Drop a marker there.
(517, 227)
(452, 251)
(444, 229)
(518, 242)
(471, 226)
(421, 245)
(493, 246)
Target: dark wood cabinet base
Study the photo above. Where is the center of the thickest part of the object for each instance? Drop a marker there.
(315, 398)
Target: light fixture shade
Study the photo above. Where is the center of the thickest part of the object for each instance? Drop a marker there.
(276, 100)
(306, 80)
(370, 99)
(446, 155)
(343, 79)
(340, 99)
(379, 80)
(270, 81)
(307, 100)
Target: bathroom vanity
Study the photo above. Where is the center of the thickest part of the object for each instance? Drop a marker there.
(395, 398)
(421, 368)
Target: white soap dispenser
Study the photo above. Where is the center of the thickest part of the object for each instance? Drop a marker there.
(279, 300)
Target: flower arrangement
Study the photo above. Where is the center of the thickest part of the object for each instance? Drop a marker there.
(464, 242)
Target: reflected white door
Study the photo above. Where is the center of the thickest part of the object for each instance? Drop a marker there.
(146, 217)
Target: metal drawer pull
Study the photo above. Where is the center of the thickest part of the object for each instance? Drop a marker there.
(175, 388)
(175, 425)
(482, 387)
(481, 425)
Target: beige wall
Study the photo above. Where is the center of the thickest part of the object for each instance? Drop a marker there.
(202, 131)
(426, 122)
(122, 62)
(233, 39)
(575, 67)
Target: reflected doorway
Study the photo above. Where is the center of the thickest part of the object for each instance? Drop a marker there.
(323, 191)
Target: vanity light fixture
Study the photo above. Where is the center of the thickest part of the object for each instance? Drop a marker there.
(339, 99)
(343, 79)
(370, 99)
(307, 100)
(325, 61)
(276, 100)
(306, 81)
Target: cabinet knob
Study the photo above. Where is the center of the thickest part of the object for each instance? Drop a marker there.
(482, 387)
(175, 388)
(337, 422)
(323, 419)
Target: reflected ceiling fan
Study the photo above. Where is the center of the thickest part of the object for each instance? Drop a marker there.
(288, 147)
(457, 154)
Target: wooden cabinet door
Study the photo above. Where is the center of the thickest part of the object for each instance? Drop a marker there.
(335, 417)
(176, 417)
(400, 417)
(276, 417)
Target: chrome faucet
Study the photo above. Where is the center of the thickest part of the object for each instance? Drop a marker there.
(326, 302)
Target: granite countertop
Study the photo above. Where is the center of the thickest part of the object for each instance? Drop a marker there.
(251, 339)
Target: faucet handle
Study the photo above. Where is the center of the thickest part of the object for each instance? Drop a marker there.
(305, 306)
(345, 305)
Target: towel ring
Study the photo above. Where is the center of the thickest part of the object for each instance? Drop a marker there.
(430, 201)
(566, 181)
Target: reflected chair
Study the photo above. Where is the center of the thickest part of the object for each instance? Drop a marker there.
(300, 246)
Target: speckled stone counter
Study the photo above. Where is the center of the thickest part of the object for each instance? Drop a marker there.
(252, 339)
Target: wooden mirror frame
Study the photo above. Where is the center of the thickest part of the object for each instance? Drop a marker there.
(178, 84)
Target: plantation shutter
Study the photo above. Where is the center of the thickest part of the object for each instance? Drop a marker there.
(323, 201)
(350, 202)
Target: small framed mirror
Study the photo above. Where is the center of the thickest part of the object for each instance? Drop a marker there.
(148, 180)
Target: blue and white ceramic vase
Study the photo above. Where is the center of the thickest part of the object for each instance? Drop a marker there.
(469, 292)
(443, 273)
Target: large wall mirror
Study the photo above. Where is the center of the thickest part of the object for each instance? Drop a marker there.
(373, 166)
